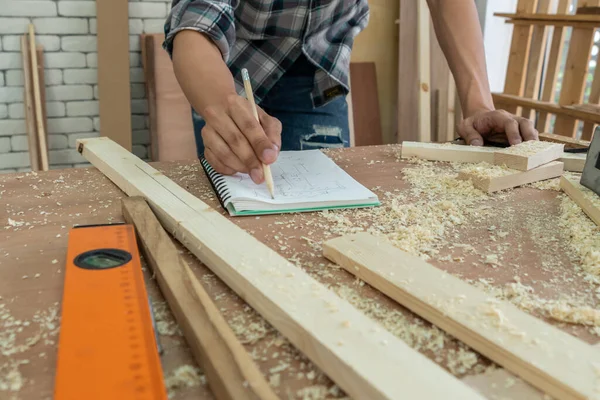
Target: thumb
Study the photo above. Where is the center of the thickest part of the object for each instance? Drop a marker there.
(470, 134)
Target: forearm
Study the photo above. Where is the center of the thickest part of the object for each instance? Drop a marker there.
(201, 71)
(458, 31)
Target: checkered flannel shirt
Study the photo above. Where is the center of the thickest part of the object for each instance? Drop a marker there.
(266, 37)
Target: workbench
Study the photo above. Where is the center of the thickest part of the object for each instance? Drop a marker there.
(512, 237)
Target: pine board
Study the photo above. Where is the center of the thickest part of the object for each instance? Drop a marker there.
(524, 157)
(584, 197)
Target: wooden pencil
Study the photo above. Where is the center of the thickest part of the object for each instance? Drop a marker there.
(250, 97)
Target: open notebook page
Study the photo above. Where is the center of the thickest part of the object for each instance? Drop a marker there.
(302, 179)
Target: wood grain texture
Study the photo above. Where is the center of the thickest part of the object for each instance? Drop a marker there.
(511, 157)
(519, 178)
(557, 363)
(42, 79)
(230, 371)
(113, 71)
(448, 152)
(365, 104)
(408, 75)
(584, 197)
(338, 338)
(424, 53)
(37, 102)
(32, 139)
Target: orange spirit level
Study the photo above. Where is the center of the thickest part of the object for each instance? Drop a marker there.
(107, 349)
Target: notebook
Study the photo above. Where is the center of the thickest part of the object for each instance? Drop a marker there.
(304, 181)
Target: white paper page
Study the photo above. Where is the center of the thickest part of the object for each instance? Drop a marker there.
(301, 177)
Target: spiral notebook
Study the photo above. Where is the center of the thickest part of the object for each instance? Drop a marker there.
(304, 181)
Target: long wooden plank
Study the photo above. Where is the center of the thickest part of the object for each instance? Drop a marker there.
(365, 104)
(424, 52)
(569, 143)
(541, 17)
(113, 71)
(528, 155)
(584, 197)
(32, 139)
(552, 66)
(573, 111)
(408, 73)
(519, 54)
(493, 179)
(37, 101)
(448, 152)
(548, 358)
(42, 79)
(231, 373)
(365, 360)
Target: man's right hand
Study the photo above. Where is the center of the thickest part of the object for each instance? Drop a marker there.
(234, 141)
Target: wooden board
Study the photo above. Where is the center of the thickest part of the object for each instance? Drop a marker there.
(365, 104)
(528, 155)
(341, 340)
(541, 17)
(32, 139)
(584, 197)
(559, 364)
(423, 53)
(573, 162)
(113, 71)
(448, 152)
(171, 126)
(408, 73)
(231, 372)
(569, 143)
(482, 180)
(37, 102)
(42, 78)
(573, 111)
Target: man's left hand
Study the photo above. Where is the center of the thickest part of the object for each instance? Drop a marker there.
(491, 124)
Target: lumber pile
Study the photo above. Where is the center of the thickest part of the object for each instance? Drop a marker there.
(35, 101)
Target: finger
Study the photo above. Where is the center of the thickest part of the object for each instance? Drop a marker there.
(217, 165)
(221, 150)
(511, 128)
(528, 131)
(252, 130)
(272, 127)
(469, 133)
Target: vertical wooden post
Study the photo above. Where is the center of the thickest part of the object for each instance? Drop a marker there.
(575, 75)
(408, 75)
(113, 71)
(37, 101)
(519, 54)
(32, 139)
(553, 66)
(423, 51)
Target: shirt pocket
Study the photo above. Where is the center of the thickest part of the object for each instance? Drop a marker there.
(258, 20)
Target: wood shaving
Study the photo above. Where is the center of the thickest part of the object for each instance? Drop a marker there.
(484, 170)
(527, 148)
(186, 376)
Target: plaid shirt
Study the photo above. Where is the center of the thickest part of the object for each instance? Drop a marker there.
(266, 37)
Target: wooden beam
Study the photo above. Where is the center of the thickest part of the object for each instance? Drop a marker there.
(574, 111)
(544, 17)
(230, 371)
(42, 79)
(424, 52)
(569, 143)
(451, 112)
(490, 179)
(32, 139)
(113, 71)
(37, 102)
(583, 197)
(573, 162)
(365, 104)
(408, 72)
(367, 362)
(552, 66)
(548, 358)
(528, 155)
(448, 152)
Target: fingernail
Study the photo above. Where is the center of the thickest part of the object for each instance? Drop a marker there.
(270, 155)
(257, 175)
(476, 142)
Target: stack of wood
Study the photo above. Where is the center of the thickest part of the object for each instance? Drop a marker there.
(35, 100)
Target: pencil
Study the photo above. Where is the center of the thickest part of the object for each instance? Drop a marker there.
(250, 97)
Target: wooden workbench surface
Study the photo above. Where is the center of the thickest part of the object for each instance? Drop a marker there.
(512, 243)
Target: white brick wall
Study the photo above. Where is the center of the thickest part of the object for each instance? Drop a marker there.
(67, 31)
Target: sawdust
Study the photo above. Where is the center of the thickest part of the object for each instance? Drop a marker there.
(249, 329)
(11, 379)
(527, 148)
(165, 323)
(484, 170)
(185, 376)
(549, 184)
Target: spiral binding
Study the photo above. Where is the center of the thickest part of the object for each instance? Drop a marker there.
(217, 182)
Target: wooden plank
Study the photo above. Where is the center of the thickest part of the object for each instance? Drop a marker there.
(573, 162)
(584, 197)
(451, 112)
(365, 104)
(37, 102)
(569, 143)
(408, 75)
(574, 111)
(364, 360)
(440, 76)
(552, 66)
(448, 152)
(423, 52)
(548, 358)
(519, 54)
(575, 75)
(113, 70)
(537, 50)
(147, 46)
(544, 17)
(42, 78)
(528, 155)
(230, 370)
(32, 139)
(490, 179)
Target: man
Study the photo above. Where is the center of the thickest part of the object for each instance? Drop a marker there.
(298, 56)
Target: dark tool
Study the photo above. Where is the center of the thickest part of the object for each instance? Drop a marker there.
(590, 176)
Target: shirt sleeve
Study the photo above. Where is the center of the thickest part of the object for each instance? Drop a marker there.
(212, 17)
